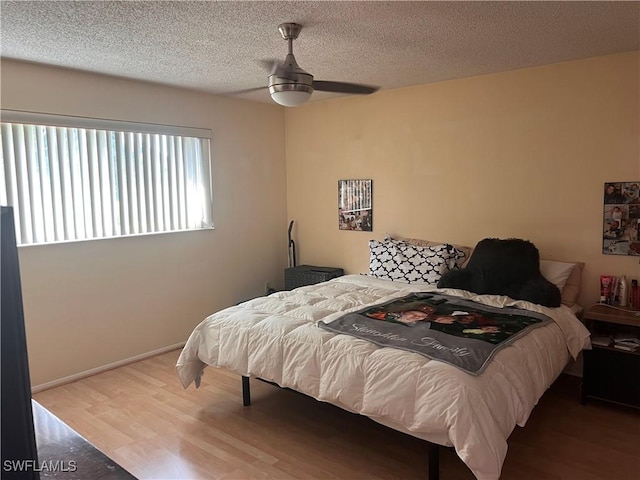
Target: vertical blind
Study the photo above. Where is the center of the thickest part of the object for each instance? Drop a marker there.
(73, 183)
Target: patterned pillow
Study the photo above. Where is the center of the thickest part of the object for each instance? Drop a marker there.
(430, 243)
(397, 260)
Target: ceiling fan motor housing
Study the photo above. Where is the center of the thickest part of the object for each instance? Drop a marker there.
(302, 83)
(293, 80)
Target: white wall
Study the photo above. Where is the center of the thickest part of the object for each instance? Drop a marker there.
(88, 304)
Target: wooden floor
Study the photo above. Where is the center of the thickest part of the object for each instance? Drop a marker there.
(141, 417)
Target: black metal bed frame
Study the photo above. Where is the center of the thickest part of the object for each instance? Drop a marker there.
(434, 448)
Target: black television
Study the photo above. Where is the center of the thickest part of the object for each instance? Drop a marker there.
(18, 448)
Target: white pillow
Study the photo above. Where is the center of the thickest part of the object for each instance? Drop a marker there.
(394, 260)
(556, 272)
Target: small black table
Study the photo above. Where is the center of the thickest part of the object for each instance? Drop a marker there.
(302, 275)
(611, 373)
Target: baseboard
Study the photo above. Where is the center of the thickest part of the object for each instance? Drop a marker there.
(104, 368)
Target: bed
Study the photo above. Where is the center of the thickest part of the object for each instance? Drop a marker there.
(277, 338)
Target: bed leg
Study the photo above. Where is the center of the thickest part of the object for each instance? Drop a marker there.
(246, 391)
(434, 461)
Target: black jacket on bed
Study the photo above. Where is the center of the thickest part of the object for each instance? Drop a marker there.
(504, 267)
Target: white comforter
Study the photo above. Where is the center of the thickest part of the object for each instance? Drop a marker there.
(277, 338)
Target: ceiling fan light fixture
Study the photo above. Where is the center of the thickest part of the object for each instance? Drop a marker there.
(290, 98)
(290, 94)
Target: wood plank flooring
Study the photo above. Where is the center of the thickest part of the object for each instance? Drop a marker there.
(141, 417)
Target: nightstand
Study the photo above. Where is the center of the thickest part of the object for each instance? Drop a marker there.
(301, 275)
(611, 373)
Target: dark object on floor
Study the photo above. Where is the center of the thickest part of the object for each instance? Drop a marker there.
(65, 455)
(504, 267)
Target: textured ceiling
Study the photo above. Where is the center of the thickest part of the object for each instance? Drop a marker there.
(216, 46)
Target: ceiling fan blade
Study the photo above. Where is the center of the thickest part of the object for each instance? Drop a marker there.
(270, 65)
(343, 87)
(248, 90)
(278, 68)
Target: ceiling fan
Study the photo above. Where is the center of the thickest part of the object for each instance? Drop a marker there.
(290, 86)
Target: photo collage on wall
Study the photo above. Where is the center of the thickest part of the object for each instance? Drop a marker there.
(621, 228)
(355, 210)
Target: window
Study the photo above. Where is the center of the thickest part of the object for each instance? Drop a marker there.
(72, 178)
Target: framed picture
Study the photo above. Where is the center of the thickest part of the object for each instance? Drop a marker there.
(621, 218)
(355, 209)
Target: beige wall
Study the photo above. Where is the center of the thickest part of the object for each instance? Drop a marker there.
(88, 304)
(521, 153)
(517, 154)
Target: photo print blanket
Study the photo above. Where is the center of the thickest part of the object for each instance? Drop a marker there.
(455, 331)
